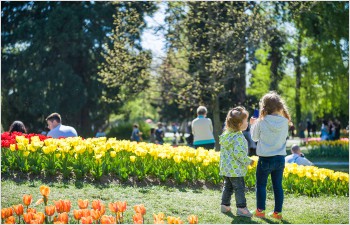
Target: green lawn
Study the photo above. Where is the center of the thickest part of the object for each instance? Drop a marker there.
(178, 201)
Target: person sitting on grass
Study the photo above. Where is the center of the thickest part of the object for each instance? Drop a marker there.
(297, 157)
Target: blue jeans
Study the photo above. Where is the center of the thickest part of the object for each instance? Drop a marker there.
(270, 165)
(237, 185)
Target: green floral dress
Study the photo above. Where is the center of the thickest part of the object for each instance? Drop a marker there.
(234, 158)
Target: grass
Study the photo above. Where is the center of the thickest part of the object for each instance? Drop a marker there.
(178, 201)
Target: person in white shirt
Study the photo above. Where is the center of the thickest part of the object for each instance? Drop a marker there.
(202, 130)
(57, 129)
(297, 157)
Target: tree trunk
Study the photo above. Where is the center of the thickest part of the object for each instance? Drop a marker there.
(297, 64)
(216, 121)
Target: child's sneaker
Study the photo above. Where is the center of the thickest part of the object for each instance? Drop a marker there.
(276, 215)
(259, 213)
(225, 208)
(244, 212)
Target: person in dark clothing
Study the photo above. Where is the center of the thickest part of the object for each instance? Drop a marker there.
(308, 127)
(159, 134)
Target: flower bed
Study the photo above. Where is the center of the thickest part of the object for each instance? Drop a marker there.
(59, 212)
(102, 156)
(338, 148)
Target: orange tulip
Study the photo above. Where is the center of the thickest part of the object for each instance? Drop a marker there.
(113, 207)
(58, 222)
(77, 214)
(39, 217)
(27, 200)
(95, 214)
(18, 209)
(137, 218)
(10, 220)
(140, 209)
(32, 210)
(103, 209)
(6, 212)
(50, 210)
(158, 219)
(174, 220)
(121, 206)
(85, 212)
(66, 206)
(59, 206)
(27, 217)
(83, 204)
(34, 222)
(86, 220)
(62, 217)
(107, 220)
(193, 219)
(44, 190)
(96, 204)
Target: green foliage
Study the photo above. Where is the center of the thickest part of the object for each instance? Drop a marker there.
(260, 79)
(126, 70)
(50, 53)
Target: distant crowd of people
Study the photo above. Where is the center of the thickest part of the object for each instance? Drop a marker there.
(329, 130)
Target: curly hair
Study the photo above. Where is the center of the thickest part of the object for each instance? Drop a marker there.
(235, 118)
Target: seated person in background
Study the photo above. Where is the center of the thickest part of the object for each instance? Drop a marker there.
(100, 133)
(297, 157)
(57, 129)
(17, 126)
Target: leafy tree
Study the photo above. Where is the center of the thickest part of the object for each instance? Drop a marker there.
(126, 70)
(322, 59)
(50, 52)
(50, 57)
(212, 37)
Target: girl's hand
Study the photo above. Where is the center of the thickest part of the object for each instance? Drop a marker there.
(252, 120)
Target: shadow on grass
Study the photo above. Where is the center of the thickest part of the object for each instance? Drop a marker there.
(248, 220)
(239, 219)
(106, 181)
(274, 221)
